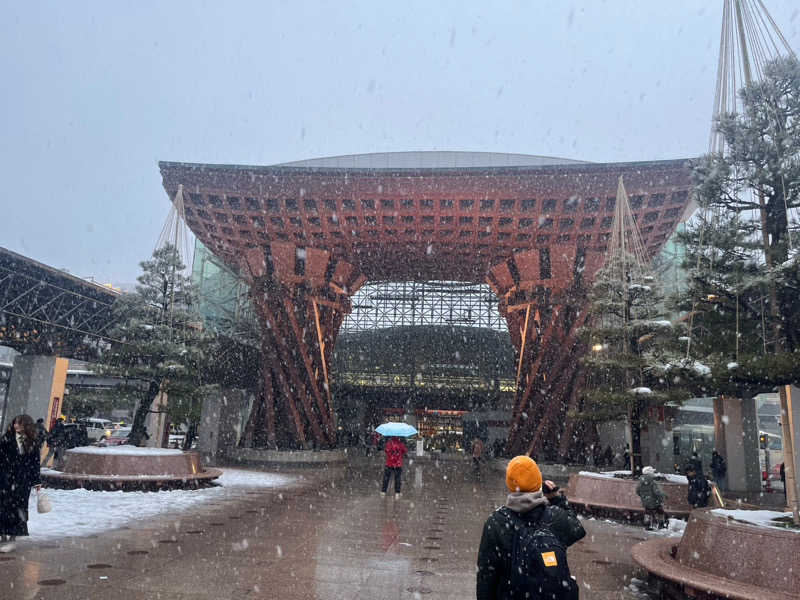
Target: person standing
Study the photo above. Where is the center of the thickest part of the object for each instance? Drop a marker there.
(699, 490)
(395, 452)
(652, 497)
(719, 469)
(523, 548)
(693, 464)
(56, 441)
(477, 453)
(19, 472)
(41, 432)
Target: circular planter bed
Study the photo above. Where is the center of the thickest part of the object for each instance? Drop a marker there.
(609, 494)
(130, 468)
(719, 556)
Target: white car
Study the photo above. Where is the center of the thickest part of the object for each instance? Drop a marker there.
(96, 428)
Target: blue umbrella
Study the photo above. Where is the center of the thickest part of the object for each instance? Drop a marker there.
(396, 429)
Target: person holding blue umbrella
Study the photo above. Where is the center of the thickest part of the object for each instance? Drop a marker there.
(395, 452)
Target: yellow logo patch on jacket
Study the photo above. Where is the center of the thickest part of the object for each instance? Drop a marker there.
(549, 559)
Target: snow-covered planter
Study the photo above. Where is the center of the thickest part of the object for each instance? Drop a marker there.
(613, 493)
(736, 554)
(130, 468)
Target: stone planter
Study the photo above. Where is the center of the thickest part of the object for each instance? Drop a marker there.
(130, 468)
(616, 497)
(722, 558)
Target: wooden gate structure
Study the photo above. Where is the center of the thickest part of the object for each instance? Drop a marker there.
(306, 237)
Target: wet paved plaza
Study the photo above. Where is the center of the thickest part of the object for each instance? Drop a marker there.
(331, 538)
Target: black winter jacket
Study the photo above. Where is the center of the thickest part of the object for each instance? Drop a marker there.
(18, 474)
(699, 491)
(494, 555)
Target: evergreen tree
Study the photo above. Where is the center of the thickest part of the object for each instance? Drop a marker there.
(753, 187)
(160, 345)
(744, 279)
(635, 360)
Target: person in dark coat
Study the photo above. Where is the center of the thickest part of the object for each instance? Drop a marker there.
(718, 469)
(41, 432)
(693, 464)
(57, 442)
(527, 499)
(19, 472)
(699, 490)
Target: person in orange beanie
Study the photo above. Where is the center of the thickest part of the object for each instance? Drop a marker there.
(522, 551)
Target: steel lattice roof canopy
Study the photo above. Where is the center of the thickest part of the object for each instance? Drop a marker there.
(425, 219)
(45, 310)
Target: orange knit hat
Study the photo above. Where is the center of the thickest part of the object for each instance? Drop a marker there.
(523, 475)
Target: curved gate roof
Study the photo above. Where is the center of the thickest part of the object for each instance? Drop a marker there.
(425, 223)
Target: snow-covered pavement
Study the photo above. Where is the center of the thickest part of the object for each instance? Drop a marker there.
(82, 512)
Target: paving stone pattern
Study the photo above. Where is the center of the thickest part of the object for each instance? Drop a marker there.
(335, 538)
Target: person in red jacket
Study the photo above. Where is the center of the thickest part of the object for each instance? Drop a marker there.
(395, 451)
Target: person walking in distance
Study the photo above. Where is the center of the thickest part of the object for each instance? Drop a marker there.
(523, 549)
(395, 452)
(477, 453)
(19, 472)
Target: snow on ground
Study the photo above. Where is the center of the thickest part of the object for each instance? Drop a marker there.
(638, 589)
(83, 512)
(126, 450)
(762, 518)
(671, 477)
(674, 528)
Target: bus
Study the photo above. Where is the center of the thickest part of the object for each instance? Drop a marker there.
(687, 439)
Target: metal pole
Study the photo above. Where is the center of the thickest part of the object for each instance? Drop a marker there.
(5, 406)
(789, 467)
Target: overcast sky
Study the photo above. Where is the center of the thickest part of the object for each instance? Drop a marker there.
(95, 93)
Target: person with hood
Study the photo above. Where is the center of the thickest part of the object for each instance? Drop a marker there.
(19, 472)
(652, 497)
(507, 534)
(395, 451)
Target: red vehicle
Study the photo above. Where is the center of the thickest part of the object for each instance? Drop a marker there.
(118, 437)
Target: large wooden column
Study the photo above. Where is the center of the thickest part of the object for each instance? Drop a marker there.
(542, 294)
(301, 296)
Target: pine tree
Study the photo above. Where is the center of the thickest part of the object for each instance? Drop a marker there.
(160, 345)
(635, 360)
(744, 279)
(755, 185)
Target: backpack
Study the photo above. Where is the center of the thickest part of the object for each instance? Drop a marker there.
(539, 569)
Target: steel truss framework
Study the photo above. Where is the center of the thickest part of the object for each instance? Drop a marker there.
(46, 311)
(410, 303)
(308, 238)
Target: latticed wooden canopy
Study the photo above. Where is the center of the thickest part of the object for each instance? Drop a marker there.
(307, 238)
